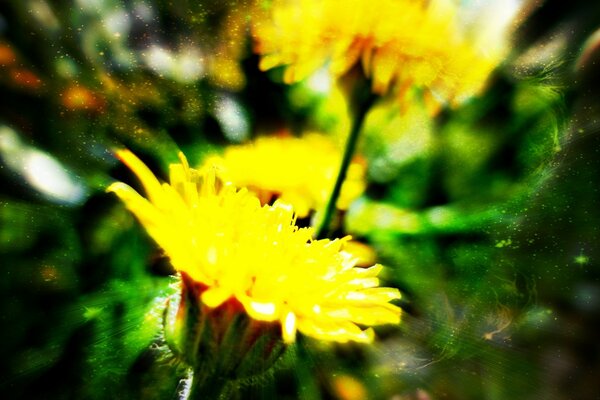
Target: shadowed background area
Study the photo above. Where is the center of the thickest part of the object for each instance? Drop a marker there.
(486, 216)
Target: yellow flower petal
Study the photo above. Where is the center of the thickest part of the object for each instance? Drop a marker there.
(263, 311)
(146, 177)
(215, 296)
(341, 331)
(288, 324)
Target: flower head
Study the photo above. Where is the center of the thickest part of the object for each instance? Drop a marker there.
(236, 249)
(400, 43)
(299, 171)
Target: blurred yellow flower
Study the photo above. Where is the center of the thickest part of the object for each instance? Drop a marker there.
(400, 43)
(299, 171)
(347, 387)
(238, 250)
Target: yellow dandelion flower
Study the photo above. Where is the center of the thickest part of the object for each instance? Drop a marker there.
(400, 43)
(239, 250)
(298, 171)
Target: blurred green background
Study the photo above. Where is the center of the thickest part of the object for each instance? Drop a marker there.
(486, 216)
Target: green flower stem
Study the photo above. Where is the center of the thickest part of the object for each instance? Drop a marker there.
(359, 118)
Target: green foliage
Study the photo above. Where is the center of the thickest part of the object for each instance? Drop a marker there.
(485, 216)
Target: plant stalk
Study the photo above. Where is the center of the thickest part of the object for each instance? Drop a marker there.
(361, 112)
